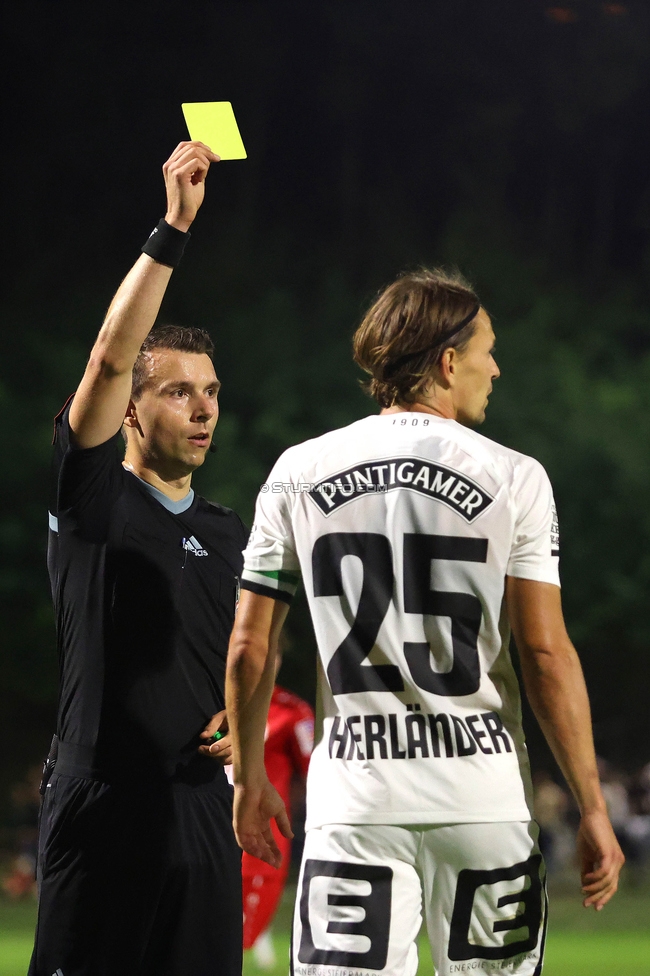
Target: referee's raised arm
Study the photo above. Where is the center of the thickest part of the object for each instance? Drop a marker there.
(102, 398)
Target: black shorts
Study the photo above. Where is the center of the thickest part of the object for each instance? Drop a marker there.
(137, 881)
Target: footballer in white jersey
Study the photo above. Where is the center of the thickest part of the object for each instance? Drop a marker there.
(418, 542)
(404, 527)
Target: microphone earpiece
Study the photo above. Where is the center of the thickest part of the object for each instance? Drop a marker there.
(213, 448)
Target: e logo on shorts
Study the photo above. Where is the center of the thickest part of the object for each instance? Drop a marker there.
(529, 894)
(345, 914)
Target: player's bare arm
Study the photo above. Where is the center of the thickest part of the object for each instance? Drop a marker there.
(250, 676)
(103, 395)
(556, 689)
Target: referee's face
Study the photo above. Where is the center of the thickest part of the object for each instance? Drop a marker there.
(177, 412)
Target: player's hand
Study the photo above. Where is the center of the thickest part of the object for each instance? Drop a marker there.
(254, 808)
(221, 748)
(601, 859)
(185, 172)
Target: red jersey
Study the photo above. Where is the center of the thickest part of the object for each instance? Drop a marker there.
(288, 740)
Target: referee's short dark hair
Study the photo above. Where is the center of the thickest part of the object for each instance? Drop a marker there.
(177, 337)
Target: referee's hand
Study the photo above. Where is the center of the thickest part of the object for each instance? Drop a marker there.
(216, 739)
(185, 172)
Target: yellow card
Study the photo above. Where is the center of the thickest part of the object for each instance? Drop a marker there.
(214, 124)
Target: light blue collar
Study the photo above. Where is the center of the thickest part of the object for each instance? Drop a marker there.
(176, 508)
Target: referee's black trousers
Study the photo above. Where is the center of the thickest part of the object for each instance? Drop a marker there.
(137, 881)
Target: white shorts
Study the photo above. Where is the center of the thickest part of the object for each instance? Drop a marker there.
(363, 888)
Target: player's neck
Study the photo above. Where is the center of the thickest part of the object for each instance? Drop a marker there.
(436, 407)
(175, 488)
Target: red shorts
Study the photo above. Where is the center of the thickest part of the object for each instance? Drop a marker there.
(262, 888)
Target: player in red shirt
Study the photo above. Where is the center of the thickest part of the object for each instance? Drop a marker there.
(289, 740)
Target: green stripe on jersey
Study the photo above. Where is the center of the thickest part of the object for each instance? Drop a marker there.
(276, 579)
(281, 575)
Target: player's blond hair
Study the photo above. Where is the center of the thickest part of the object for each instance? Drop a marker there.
(404, 333)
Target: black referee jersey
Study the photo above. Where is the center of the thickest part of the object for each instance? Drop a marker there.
(139, 869)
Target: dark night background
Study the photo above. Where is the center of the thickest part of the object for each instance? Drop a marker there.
(508, 138)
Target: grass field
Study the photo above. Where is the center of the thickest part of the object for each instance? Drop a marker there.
(616, 942)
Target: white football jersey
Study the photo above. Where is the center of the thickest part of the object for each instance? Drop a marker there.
(404, 527)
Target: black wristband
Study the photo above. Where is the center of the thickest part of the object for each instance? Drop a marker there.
(166, 244)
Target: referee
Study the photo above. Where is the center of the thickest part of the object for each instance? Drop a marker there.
(138, 867)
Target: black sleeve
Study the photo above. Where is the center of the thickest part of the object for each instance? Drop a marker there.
(244, 533)
(241, 531)
(85, 482)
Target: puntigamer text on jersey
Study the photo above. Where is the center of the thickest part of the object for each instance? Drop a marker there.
(432, 480)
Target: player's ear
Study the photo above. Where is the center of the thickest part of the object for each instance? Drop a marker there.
(447, 366)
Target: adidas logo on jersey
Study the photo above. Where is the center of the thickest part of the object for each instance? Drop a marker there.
(194, 546)
(59, 972)
(433, 480)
